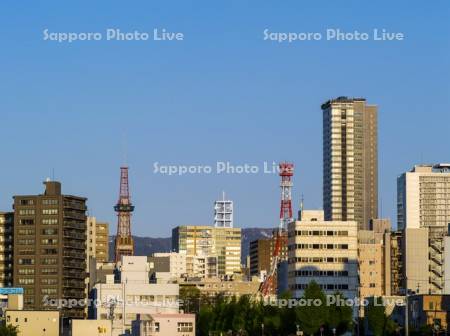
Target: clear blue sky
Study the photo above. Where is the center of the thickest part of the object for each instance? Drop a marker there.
(223, 94)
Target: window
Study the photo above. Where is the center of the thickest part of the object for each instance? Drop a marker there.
(26, 261)
(185, 327)
(26, 271)
(49, 261)
(49, 251)
(27, 221)
(48, 281)
(24, 212)
(26, 241)
(48, 232)
(26, 281)
(26, 232)
(50, 202)
(51, 241)
(49, 271)
(26, 202)
(49, 211)
(49, 221)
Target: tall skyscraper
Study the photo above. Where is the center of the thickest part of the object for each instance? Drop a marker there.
(350, 160)
(50, 248)
(223, 212)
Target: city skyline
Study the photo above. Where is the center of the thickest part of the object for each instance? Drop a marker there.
(74, 111)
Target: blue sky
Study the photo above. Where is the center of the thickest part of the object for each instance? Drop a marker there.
(222, 94)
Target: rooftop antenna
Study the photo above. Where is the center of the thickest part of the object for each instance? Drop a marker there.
(124, 148)
(300, 211)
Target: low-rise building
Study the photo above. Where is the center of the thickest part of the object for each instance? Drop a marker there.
(30, 323)
(133, 295)
(91, 327)
(164, 324)
(230, 287)
(429, 311)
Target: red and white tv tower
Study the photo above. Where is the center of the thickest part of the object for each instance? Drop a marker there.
(286, 171)
(124, 208)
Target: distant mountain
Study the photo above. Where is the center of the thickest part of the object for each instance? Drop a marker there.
(148, 245)
(251, 234)
(144, 245)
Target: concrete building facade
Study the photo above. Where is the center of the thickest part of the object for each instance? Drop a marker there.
(350, 160)
(50, 248)
(374, 265)
(164, 324)
(225, 243)
(423, 208)
(133, 295)
(323, 251)
(97, 240)
(34, 322)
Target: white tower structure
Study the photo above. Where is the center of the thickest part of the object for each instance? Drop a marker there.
(223, 212)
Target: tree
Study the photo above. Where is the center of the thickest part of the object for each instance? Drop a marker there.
(9, 330)
(339, 315)
(190, 297)
(379, 322)
(314, 314)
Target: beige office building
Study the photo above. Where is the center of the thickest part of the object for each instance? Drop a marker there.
(323, 251)
(423, 206)
(222, 242)
(374, 264)
(97, 240)
(350, 160)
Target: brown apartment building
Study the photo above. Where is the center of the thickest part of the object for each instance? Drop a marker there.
(6, 248)
(50, 248)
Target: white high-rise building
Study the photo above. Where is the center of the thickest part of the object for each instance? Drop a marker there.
(423, 197)
(223, 212)
(423, 206)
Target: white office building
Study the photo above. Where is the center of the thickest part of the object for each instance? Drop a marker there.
(423, 208)
(323, 251)
(133, 295)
